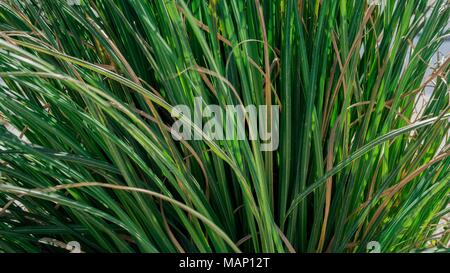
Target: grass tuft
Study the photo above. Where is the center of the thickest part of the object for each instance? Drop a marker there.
(87, 155)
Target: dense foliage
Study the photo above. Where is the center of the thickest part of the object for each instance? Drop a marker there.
(88, 88)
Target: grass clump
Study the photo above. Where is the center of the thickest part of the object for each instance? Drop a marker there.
(89, 88)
